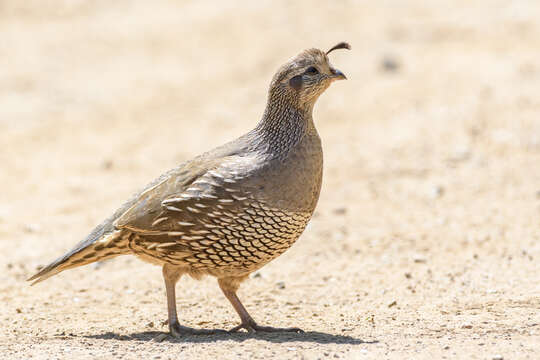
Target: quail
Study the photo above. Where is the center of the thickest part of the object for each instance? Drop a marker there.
(231, 210)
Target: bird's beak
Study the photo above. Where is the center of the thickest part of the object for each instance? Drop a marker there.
(337, 75)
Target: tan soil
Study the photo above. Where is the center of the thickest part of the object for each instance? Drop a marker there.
(425, 243)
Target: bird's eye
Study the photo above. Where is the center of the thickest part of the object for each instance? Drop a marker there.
(312, 70)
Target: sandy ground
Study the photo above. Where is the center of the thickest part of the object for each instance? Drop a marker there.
(425, 243)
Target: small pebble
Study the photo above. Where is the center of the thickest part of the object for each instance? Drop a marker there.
(280, 285)
(31, 228)
(393, 303)
(107, 164)
(497, 357)
(467, 326)
(461, 153)
(436, 191)
(389, 64)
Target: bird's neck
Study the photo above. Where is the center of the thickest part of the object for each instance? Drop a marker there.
(284, 124)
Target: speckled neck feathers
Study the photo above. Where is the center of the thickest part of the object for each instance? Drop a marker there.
(283, 124)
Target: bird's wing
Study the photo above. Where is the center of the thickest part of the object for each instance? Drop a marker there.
(184, 202)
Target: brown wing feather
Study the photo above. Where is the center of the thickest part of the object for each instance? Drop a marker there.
(181, 227)
(178, 206)
(218, 221)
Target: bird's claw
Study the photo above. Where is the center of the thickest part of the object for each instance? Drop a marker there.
(252, 327)
(179, 331)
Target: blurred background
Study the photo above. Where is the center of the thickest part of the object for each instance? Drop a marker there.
(431, 194)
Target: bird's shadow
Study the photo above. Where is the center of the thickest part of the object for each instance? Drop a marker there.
(309, 336)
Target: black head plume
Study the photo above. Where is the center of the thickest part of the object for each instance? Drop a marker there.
(341, 45)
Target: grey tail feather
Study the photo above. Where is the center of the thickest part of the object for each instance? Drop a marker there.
(104, 242)
(99, 245)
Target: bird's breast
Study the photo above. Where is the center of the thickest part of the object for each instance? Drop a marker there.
(292, 182)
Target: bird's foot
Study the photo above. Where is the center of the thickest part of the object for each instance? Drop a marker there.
(179, 331)
(252, 327)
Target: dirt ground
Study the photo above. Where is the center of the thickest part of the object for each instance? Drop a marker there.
(426, 240)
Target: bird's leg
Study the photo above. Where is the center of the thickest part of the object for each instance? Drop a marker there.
(229, 286)
(171, 275)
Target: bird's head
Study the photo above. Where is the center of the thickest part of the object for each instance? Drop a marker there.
(306, 76)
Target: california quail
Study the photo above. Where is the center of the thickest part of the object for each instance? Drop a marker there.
(227, 212)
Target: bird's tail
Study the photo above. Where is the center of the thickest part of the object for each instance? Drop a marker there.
(108, 245)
